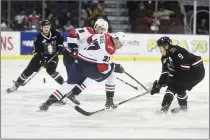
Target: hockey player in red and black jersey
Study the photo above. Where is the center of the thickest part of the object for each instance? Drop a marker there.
(181, 71)
(47, 45)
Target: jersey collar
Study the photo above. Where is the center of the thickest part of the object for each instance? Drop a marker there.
(45, 36)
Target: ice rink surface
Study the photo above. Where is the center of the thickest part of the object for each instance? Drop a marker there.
(136, 119)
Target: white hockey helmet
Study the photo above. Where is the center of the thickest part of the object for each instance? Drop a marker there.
(121, 37)
(103, 24)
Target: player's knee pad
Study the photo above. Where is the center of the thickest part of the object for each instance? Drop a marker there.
(58, 78)
(182, 98)
(168, 98)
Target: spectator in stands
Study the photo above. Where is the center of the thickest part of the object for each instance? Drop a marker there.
(67, 17)
(34, 19)
(86, 15)
(25, 25)
(140, 12)
(56, 25)
(19, 19)
(163, 13)
(98, 9)
(175, 28)
(68, 26)
(4, 26)
(202, 27)
(98, 12)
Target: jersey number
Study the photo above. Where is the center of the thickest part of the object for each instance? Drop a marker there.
(106, 59)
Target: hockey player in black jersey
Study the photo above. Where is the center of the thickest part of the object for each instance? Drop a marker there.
(181, 71)
(47, 44)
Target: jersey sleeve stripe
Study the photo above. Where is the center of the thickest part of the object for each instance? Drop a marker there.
(72, 40)
(184, 66)
(86, 58)
(197, 62)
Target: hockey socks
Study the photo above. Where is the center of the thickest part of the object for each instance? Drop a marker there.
(182, 100)
(58, 78)
(167, 99)
(21, 79)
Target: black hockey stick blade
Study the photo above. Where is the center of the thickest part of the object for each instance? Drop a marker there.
(82, 111)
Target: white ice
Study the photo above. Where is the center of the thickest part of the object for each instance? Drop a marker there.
(136, 119)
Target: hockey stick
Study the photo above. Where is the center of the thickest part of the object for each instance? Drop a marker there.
(136, 81)
(82, 111)
(136, 88)
(37, 71)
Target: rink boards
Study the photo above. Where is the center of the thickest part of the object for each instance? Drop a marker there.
(140, 47)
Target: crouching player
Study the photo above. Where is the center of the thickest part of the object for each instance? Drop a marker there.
(93, 63)
(181, 71)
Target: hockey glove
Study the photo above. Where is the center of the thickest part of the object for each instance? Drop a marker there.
(73, 48)
(155, 88)
(117, 68)
(60, 49)
(43, 60)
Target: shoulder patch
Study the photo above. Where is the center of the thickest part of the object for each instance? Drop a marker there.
(90, 30)
(109, 45)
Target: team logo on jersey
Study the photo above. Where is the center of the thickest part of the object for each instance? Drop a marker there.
(44, 41)
(164, 60)
(110, 47)
(170, 59)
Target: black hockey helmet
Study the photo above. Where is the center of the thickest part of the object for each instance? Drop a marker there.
(163, 41)
(45, 22)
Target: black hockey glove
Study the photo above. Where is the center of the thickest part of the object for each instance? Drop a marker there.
(117, 68)
(60, 49)
(73, 47)
(43, 60)
(155, 88)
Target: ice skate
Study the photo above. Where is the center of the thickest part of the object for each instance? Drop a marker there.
(44, 107)
(73, 99)
(12, 89)
(60, 102)
(163, 110)
(110, 103)
(179, 109)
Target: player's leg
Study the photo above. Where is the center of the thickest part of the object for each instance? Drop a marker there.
(167, 100)
(67, 61)
(51, 70)
(194, 77)
(79, 88)
(74, 76)
(110, 90)
(182, 101)
(33, 66)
